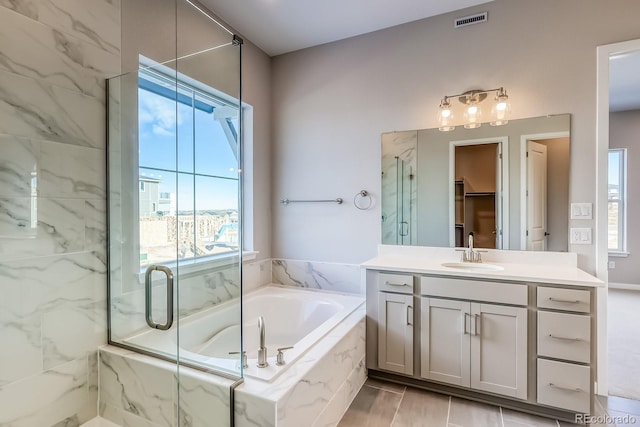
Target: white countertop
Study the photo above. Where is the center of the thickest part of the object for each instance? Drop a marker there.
(536, 272)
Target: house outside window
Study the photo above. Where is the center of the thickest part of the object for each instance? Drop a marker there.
(188, 171)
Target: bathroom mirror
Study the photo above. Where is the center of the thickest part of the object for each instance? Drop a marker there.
(509, 185)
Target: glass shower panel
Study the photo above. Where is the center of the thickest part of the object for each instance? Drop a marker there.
(210, 276)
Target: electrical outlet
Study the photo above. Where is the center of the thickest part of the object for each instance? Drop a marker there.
(612, 265)
(580, 236)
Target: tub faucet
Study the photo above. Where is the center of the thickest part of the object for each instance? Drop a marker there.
(262, 351)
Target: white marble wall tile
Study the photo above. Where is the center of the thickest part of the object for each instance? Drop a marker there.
(32, 49)
(94, 21)
(124, 418)
(203, 402)
(21, 354)
(138, 388)
(318, 275)
(72, 332)
(340, 402)
(37, 227)
(204, 290)
(255, 274)
(254, 411)
(47, 398)
(95, 225)
(43, 284)
(18, 166)
(36, 109)
(72, 172)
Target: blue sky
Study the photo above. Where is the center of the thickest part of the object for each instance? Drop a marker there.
(196, 132)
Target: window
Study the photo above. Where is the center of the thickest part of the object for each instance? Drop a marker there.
(617, 206)
(188, 156)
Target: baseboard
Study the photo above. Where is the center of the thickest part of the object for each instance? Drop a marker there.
(625, 286)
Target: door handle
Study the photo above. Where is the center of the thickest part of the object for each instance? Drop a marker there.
(401, 229)
(464, 322)
(147, 297)
(476, 320)
(409, 318)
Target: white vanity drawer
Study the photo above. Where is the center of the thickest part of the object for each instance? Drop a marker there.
(564, 299)
(564, 336)
(564, 385)
(400, 283)
(475, 290)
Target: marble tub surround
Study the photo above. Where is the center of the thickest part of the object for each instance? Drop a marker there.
(54, 58)
(539, 267)
(316, 390)
(140, 390)
(318, 275)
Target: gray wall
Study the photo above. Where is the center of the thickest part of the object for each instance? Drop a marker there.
(332, 102)
(624, 132)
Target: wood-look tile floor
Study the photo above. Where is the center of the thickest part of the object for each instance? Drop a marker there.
(383, 404)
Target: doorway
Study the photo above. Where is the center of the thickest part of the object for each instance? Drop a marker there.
(618, 350)
(544, 190)
(478, 198)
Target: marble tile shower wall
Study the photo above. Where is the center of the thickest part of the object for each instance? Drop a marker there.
(318, 275)
(54, 58)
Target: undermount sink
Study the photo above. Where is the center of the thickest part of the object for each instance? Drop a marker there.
(477, 266)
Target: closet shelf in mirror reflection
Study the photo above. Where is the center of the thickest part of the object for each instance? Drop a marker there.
(287, 201)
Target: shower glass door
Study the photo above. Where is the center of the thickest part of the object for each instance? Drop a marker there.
(174, 156)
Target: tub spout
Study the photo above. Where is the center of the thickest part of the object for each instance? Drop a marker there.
(262, 351)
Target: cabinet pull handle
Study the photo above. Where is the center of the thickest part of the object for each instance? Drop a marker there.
(409, 317)
(564, 338)
(464, 321)
(576, 390)
(387, 283)
(475, 324)
(565, 301)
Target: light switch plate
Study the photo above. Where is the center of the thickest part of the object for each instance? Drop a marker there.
(580, 236)
(581, 210)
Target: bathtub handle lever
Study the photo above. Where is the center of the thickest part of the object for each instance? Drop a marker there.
(245, 362)
(280, 356)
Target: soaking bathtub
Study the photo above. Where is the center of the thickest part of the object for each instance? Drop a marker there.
(293, 317)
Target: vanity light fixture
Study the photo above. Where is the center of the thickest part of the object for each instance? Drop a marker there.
(500, 110)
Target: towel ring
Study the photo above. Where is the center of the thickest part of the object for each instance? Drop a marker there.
(357, 200)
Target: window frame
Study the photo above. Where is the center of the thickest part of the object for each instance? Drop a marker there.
(181, 83)
(621, 201)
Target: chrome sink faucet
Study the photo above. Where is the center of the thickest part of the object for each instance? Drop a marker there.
(262, 351)
(469, 254)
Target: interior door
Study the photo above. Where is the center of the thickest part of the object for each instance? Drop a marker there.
(536, 196)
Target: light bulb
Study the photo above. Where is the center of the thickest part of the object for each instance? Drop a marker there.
(472, 116)
(501, 109)
(445, 116)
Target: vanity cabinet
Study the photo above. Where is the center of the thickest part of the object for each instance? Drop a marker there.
(395, 323)
(564, 348)
(474, 344)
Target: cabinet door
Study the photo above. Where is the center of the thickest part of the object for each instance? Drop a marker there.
(395, 333)
(444, 336)
(499, 349)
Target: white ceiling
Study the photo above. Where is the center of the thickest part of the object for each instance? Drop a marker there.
(624, 82)
(281, 26)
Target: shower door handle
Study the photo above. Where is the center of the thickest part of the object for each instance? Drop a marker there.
(147, 297)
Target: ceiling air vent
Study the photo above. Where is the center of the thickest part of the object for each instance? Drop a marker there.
(470, 20)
